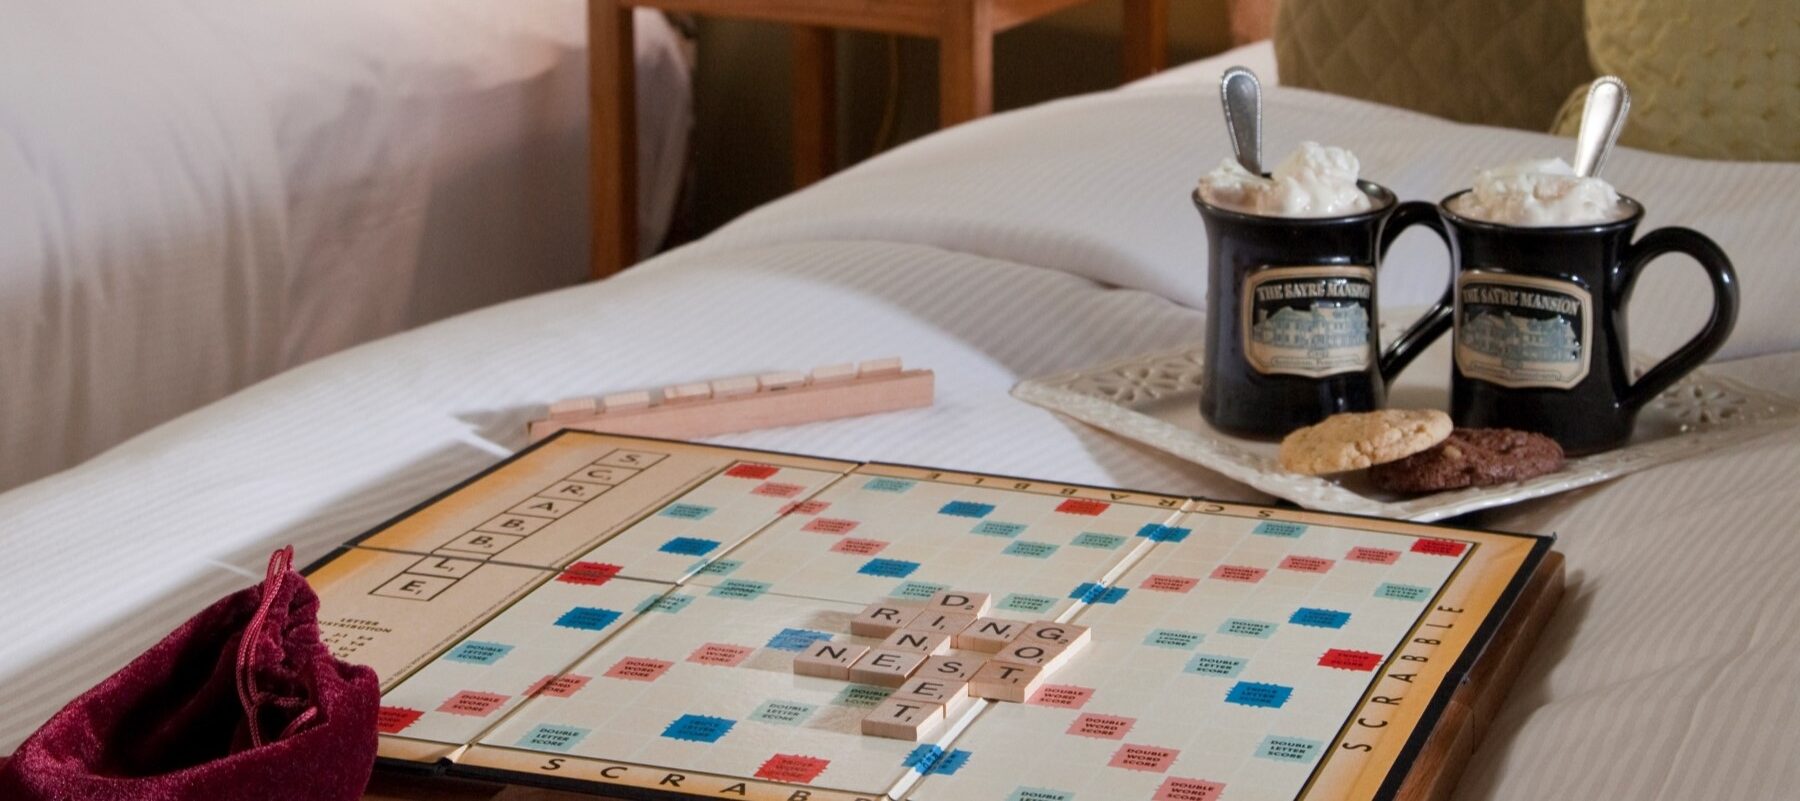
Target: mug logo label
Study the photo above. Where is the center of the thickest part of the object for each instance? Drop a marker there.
(1522, 331)
(1309, 321)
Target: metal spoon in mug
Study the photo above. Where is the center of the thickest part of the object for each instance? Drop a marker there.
(1601, 120)
(1241, 95)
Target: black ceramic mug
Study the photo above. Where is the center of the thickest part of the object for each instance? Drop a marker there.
(1292, 317)
(1540, 331)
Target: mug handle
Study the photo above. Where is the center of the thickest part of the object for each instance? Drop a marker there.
(1428, 328)
(1712, 336)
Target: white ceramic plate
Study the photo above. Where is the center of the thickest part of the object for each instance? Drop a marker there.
(1154, 399)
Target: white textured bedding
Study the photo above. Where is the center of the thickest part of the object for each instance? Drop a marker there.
(1669, 673)
(198, 195)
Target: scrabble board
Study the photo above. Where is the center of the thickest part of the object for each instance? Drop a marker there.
(622, 616)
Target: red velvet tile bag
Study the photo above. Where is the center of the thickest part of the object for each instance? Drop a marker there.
(243, 701)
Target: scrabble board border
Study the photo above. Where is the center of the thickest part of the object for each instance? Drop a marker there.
(1428, 765)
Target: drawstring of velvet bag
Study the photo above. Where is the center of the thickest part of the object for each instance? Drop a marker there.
(280, 563)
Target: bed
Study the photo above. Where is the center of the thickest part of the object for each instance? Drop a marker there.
(1039, 240)
(196, 196)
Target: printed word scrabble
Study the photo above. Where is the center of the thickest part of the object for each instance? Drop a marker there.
(745, 403)
(649, 618)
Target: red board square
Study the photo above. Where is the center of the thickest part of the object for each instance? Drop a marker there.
(720, 653)
(752, 470)
(805, 508)
(633, 668)
(830, 525)
(1379, 556)
(1105, 727)
(1239, 573)
(1350, 660)
(1169, 583)
(1063, 696)
(594, 573)
(1078, 506)
(1146, 758)
(395, 719)
(858, 547)
(1174, 789)
(1440, 547)
(560, 686)
(1307, 564)
(775, 489)
(791, 768)
(473, 704)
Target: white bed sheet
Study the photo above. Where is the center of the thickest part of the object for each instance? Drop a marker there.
(1669, 672)
(197, 195)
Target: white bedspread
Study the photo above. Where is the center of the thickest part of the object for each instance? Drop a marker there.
(1670, 672)
(196, 195)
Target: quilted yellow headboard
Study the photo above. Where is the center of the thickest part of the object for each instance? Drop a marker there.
(1496, 62)
(1717, 79)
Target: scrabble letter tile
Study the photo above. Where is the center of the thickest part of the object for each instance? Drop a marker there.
(1050, 631)
(972, 603)
(829, 660)
(902, 720)
(1048, 656)
(949, 668)
(929, 643)
(882, 619)
(1001, 681)
(988, 634)
(884, 668)
(948, 694)
(951, 623)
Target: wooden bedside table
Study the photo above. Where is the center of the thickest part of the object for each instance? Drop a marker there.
(964, 29)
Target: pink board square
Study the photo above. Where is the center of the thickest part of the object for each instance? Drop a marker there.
(1307, 564)
(830, 525)
(592, 573)
(395, 719)
(860, 547)
(1377, 556)
(1169, 583)
(720, 653)
(1439, 547)
(778, 490)
(1063, 696)
(1174, 789)
(634, 668)
(805, 508)
(559, 686)
(751, 470)
(1350, 660)
(1080, 506)
(792, 768)
(1239, 573)
(472, 703)
(1147, 758)
(1105, 727)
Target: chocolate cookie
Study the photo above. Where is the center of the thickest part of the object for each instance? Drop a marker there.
(1471, 457)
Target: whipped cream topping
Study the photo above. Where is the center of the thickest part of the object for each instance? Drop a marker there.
(1313, 181)
(1542, 192)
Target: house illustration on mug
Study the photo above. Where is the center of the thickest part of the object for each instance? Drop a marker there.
(1319, 329)
(1519, 341)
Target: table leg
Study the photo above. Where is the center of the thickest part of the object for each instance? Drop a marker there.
(966, 62)
(815, 103)
(1146, 37)
(612, 97)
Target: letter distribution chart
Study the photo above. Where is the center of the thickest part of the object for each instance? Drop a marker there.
(654, 618)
